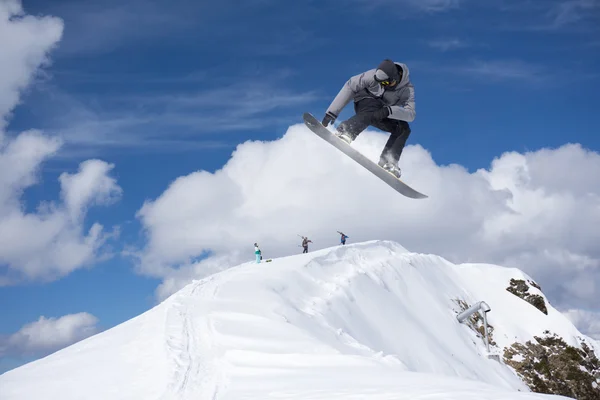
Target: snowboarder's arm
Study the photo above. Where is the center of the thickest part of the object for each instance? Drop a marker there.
(407, 111)
(350, 88)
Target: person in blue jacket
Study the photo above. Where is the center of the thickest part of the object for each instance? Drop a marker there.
(343, 238)
(258, 253)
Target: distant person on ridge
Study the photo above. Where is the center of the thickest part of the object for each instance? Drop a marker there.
(343, 238)
(305, 242)
(258, 253)
(384, 98)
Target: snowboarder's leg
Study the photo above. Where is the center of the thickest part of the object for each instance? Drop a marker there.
(364, 110)
(390, 155)
(258, 259)
(399, 133)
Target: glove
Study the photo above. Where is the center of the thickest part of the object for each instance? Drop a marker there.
(329, 118)
(382, 113)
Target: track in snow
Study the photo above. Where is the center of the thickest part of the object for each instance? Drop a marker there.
(189, 342)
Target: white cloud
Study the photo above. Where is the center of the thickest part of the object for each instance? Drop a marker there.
(180, 120)
(50, 242)
(587, 322)
(101, 27)
(91, 186)
(537, 211)
(545, 16)
(502, 70)
(19, 159)
(447, 44)
(47, 335)
(420, 5)
(573, 11)
(24, 43)
(435, 5)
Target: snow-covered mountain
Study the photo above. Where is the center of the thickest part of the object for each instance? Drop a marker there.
(362, 321)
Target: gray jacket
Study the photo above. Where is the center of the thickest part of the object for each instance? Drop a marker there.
(400, 98)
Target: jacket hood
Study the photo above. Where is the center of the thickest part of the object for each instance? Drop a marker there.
(405, 74)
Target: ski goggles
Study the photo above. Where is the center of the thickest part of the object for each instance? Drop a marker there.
(388, 81)
(384, 82)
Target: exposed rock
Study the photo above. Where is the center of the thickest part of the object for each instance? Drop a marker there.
(520, 288)
(549, 365)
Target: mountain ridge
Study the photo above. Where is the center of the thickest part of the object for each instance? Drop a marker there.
(302, 325)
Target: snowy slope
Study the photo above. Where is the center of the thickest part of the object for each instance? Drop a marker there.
(515, 318)
(362, 321)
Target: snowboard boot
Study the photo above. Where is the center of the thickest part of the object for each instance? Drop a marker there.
(345, 136)
(390, 167)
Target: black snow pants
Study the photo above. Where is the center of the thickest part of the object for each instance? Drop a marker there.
(400, 130)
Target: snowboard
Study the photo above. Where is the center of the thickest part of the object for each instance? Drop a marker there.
(315, 125)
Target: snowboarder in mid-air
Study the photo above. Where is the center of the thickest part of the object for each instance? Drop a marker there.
(343, 238)
(384, 98)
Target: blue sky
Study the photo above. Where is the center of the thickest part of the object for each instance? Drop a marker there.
(161, 89)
